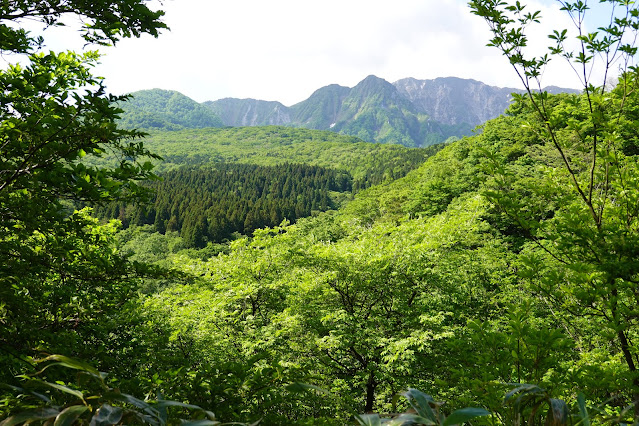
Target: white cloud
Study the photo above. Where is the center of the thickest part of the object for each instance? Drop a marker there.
(285, 49)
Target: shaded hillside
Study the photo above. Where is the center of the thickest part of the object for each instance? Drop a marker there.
(219, 183)
(212, 203)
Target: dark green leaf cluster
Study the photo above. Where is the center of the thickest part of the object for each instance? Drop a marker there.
(92, 400)
(105, 21)
(63, 283)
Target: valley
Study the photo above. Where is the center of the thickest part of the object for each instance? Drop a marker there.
(423, 252)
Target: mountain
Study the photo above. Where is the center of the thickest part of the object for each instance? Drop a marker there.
(322, 108)
(373, 110)
(166, 110)
(249, 112)
(454, 100)
(409, 112)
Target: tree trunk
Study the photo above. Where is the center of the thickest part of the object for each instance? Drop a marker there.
(370, 393)
(625, 349)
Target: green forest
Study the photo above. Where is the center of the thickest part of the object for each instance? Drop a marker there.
(280, 276)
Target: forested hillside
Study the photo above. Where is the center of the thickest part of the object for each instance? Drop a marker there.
(165, 110)
(211, 204)
(219, 183)
(430, 281)
(367, 163)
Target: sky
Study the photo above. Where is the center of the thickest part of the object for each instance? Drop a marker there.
(284, 50)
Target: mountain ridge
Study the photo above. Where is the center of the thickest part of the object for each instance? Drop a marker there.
(410, 112)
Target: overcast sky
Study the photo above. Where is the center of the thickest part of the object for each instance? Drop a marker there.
(284, 50)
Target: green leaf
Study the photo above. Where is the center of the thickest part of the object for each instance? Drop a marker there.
(69, 363)
(524, 389)
(303, 387)
(30, 416)
(368, 419)
(107, 415)
(163, 403)
(583, 411)
(463, 415)
(421, 403)
(62, 388)
(123, 397)
(411, 419)
(69, 415)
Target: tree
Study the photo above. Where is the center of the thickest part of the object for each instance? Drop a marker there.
(54, 115)
(105, 21)
(583, 249)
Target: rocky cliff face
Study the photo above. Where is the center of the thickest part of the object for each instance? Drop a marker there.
(250, 112)
(454, 100)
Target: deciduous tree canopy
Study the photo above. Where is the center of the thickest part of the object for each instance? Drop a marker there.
(61, 278)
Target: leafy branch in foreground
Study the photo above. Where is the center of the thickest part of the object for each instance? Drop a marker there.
(105, 21)
(582, 258)
(531, 405)
(92, 400)
(426, 411)
(61, 274)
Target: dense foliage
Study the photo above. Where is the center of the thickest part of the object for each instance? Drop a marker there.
(64, 286)
(61, 277)
(418, 282)
(368, 164)
(499, 274)
(212, 203)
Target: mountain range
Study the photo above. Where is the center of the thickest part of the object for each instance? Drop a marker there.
(409, 112)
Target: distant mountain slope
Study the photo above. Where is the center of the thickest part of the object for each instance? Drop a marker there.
(322, 108)
(249, 112)
(374, 111)
(455, 100)
(452, 100)
(166, 110)
(410, 112)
